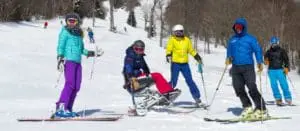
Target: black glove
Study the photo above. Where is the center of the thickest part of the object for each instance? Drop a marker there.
(198, 58)
(169, 58)
(91, 54)
(147, 72)
(60, 63)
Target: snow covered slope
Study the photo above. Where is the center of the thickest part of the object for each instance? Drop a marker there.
(28, 78)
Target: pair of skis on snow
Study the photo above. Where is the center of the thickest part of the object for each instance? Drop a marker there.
(103, 117)
(237, 120)
(106, 117)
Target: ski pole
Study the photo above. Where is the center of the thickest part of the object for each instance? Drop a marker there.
(170, 60)
(261, 98)
(218, 86)
(267, 81)
(291, 82)
(201, 72)
(58, 79)
(94, 61)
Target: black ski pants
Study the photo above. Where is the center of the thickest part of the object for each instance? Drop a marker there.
(245, 75)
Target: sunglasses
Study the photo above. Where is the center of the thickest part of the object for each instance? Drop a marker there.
(72, 21)
(138, 49)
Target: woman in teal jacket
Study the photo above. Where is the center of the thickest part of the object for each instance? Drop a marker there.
(69, 50)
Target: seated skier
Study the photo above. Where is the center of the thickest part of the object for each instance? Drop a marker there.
(138, 78)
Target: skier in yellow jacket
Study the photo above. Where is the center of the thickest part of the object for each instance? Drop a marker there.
(178, 48)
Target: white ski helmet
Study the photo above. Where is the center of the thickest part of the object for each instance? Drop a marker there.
(177, 27)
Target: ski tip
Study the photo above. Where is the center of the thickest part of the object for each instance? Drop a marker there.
(207, 119)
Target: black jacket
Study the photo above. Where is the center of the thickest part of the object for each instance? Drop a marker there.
(277, 58)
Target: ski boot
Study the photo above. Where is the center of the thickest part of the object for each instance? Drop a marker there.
(132, 112)
(247, 112)
(199, 104)
(61, 112)
(259, 114)
(169, 97)
(279, 102)
(289, 102)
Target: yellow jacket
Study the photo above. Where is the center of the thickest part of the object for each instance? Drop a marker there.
(180, 48)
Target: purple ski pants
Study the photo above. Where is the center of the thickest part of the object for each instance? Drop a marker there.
(73, 75)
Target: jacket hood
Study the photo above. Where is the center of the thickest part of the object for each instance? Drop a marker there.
(243, 22)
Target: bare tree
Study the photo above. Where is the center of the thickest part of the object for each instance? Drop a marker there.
(162, 23)
(151, 24)
(146, 11)
(111, 12)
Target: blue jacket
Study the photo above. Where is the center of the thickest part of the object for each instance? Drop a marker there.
(90, 34)
(70, 46)
(242, 46)
(134, 65)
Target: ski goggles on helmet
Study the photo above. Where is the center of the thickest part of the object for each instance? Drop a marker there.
(72, 21)
(179, 33)
(139, 50)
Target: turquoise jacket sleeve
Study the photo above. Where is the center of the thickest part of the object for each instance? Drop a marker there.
(62, 42)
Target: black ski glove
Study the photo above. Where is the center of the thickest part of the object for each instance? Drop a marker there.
(147, 73)
(169, 58)
(198, 58)
(60, 63)
(91, 54)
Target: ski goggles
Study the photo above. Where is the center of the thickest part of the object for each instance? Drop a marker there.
(238, 27)
(139, 50)
(72, 21)
(179, 33)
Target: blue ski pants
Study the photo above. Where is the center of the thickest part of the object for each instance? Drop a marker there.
(276, 75)
(186, 72)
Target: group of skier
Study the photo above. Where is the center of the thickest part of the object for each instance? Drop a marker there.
(137, 75)
(240, 50)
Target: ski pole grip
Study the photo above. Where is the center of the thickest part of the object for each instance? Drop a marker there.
(200, 70)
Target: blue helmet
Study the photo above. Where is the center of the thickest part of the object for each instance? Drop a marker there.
(274, 40)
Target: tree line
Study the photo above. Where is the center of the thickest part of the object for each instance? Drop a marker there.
(18, 10)
(208, 20)
(212, 21)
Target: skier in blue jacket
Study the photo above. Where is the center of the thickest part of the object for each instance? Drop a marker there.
(91, 35)
(240, 50)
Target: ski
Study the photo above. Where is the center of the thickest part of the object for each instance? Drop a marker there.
(181, 111)
(203, 106)
(191, 105)
(103, 118)
(236, 120)
(280, 105)
(173, 110)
